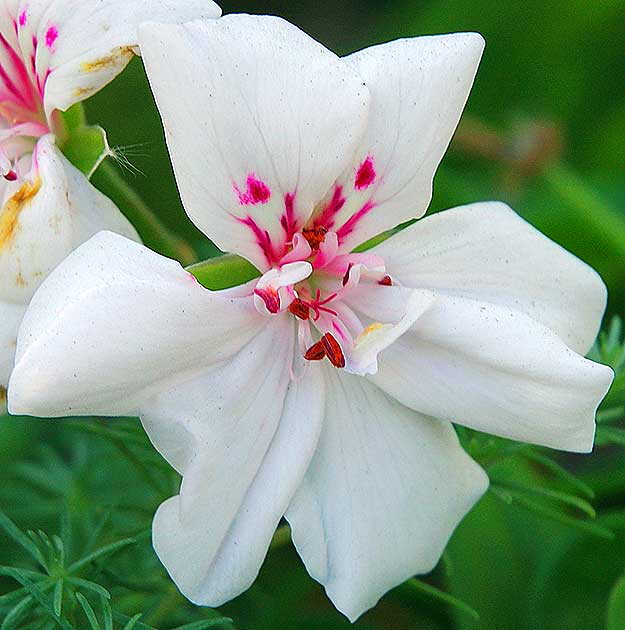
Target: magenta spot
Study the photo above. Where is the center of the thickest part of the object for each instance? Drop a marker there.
(23, 17)
(51, 36)
(288, 220)
(350, 225)
(256, 191)
(365, 175)
(335, 205)
(270, 297)
(262, 237)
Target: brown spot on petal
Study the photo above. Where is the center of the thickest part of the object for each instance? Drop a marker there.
(9, 218)
(3, 394)
(19, 280)
(119, 56)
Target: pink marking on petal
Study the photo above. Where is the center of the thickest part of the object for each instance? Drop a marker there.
(335, 205)
(256, 191)
(350, 225)
(270, 297)
(365, 175)
(262, 239)
(23, 17)
(51, 36)
(288, 220)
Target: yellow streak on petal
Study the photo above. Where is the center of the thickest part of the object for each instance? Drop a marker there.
(121, 54)
(9, 218)
(367, 331)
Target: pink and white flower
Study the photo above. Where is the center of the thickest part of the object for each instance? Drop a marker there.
(53, 54)
(325, 390)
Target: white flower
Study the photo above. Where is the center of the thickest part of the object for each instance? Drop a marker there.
(290, 156)
(53, 54)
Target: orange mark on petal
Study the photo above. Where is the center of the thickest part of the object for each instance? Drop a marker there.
(120, 56)
(9, 218)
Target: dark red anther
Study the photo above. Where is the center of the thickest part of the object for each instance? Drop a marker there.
(346, 276)
(333, 351)
(316, 352)
(315, 236)
(329, 347)
(299, 309)
(386, 281)
(11, 176)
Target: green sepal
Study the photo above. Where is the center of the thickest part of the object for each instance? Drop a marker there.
(85, 146)
(224, 272)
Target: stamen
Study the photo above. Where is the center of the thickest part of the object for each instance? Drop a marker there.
(333, 351)
(315, 236)
(386, 281)
(329, 347)
(316, 352)
(346, 276)
(11, 176)
(300, 309)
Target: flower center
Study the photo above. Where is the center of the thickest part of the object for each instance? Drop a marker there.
(312, 282)
(22, 117)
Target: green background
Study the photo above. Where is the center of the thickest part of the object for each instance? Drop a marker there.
(544, 130)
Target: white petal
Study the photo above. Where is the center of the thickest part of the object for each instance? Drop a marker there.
(250, 436)
(487, 252)
(10, 316)
(116, 323)
(84, 44)
(382, 496)
(399, 316)
(257, 115)
(45, 217)
(496, 370)
(418, 88)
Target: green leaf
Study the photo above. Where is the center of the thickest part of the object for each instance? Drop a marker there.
(616, 606)
(36, 593)
(89, 612)
(107, 613)
(16, 613)
(135, 621)
(90, 586)
(21, 539)
(100, 553)
(513, 488)
(58, 597)
(224, 272)
(509, 498)
(559, 471)
(209, 623)
(418, 586)
(132, 622)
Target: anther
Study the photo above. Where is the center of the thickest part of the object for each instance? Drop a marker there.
(316, 352)
(11, 176)
(346, 276)
(329, 347)
(386, 281)
(333, 351)
(299, 309)
(315, 236)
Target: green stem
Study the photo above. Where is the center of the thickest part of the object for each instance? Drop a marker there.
(142, 217)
